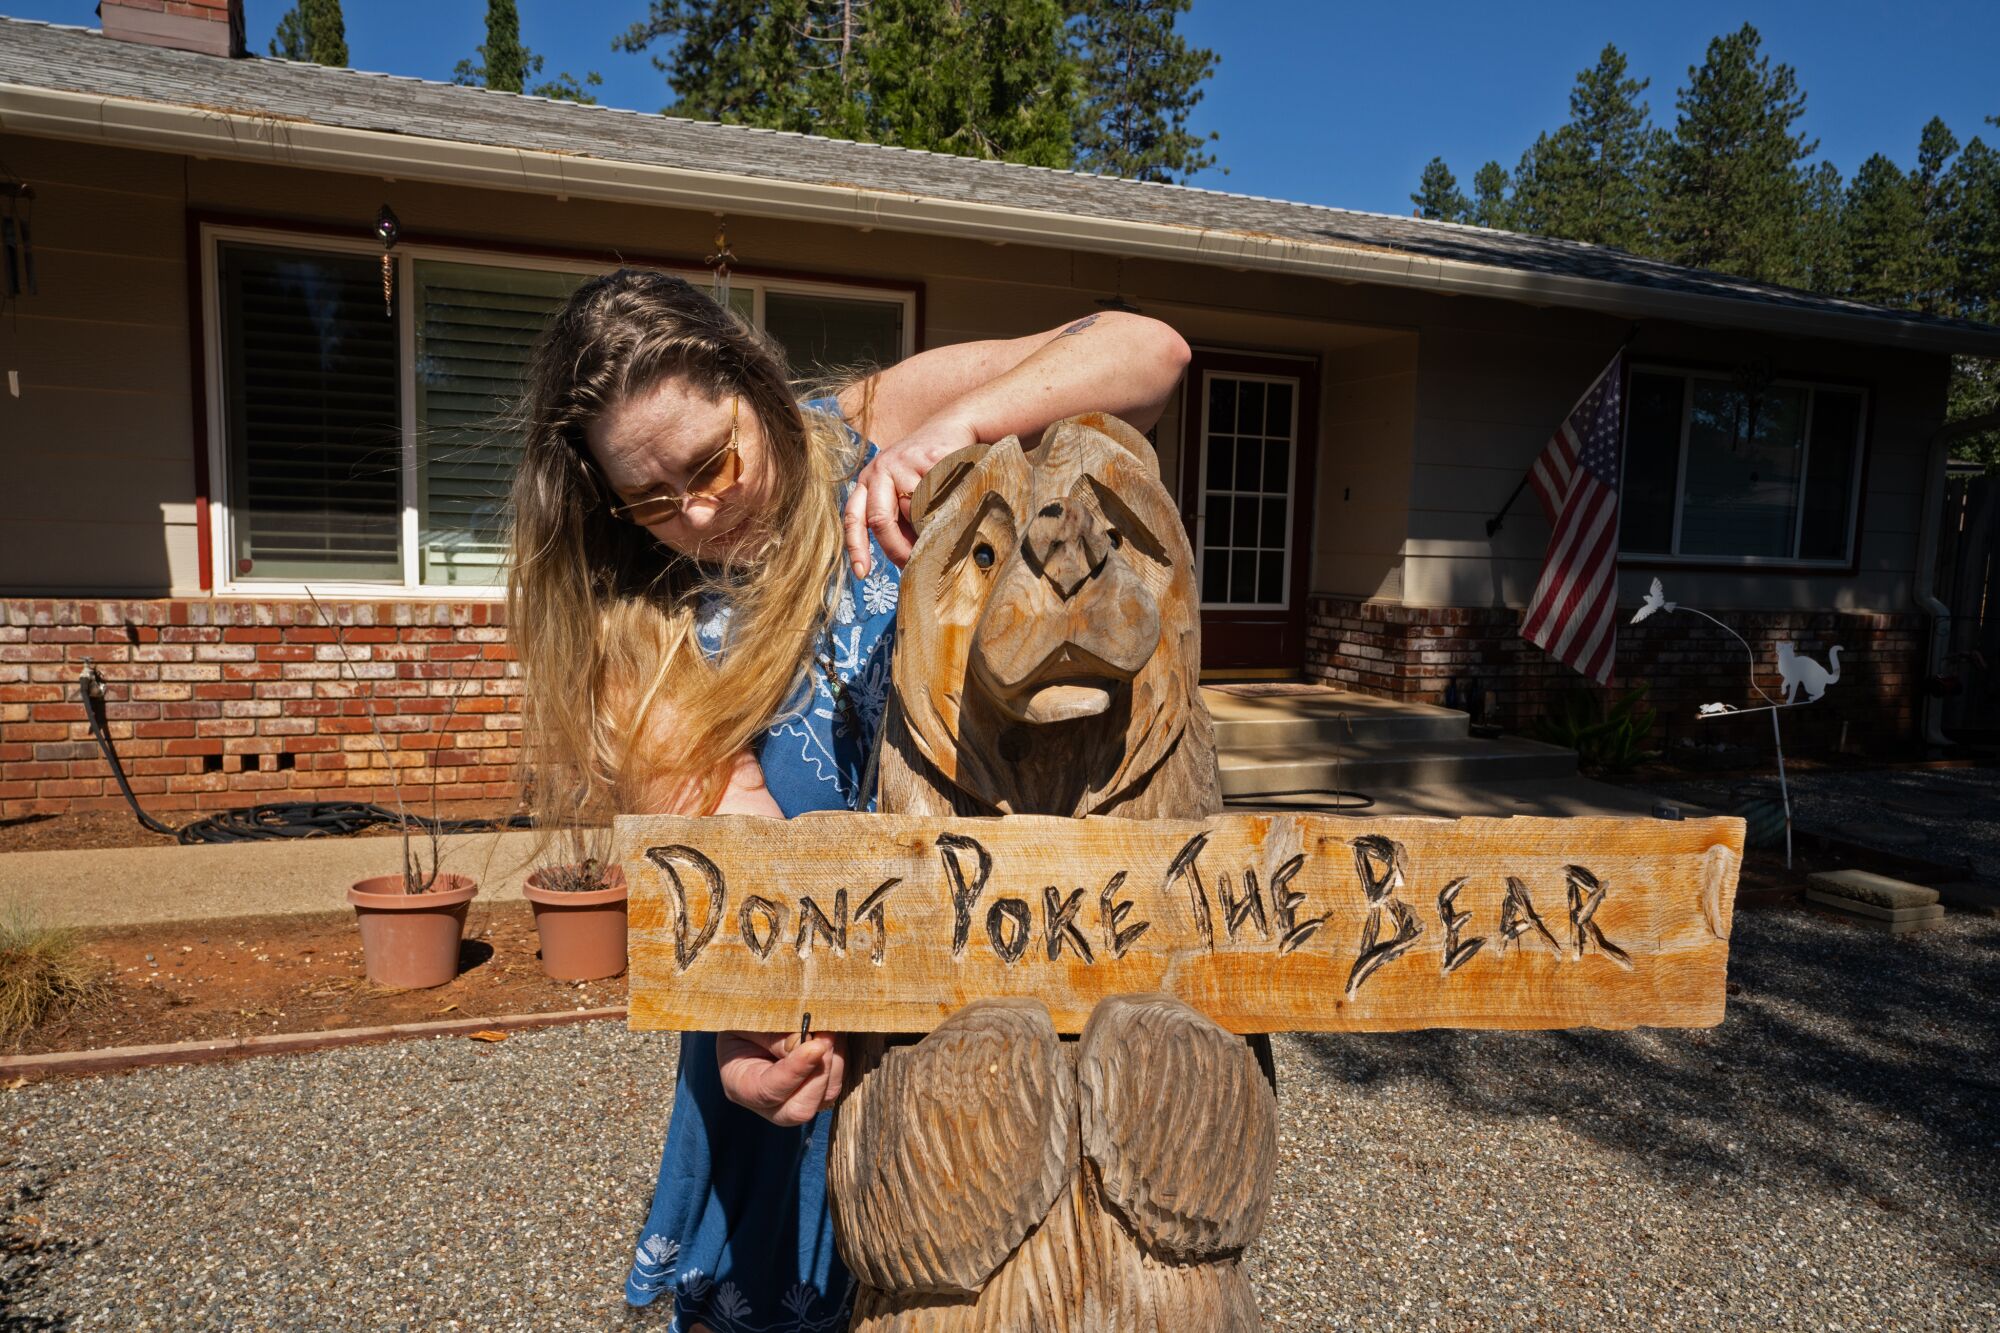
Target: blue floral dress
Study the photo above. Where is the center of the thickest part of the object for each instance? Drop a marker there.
(739, 1230)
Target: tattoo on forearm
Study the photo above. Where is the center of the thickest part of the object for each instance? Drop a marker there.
(1079, 326)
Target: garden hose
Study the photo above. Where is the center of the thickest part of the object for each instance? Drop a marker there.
(281, 819)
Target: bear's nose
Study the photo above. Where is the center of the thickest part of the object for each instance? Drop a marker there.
(1066, 545)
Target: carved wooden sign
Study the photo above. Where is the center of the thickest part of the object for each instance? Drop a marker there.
(1262, 922)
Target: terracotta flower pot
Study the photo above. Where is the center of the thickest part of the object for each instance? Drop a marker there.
(411, 940)
(583, 934)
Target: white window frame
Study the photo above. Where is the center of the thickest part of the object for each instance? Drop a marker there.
(1688, 376)
(1284, 603)
(224, 581)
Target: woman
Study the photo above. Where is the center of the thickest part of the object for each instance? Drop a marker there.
(703, 600)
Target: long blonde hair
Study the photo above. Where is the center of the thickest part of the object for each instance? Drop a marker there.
(620, 697)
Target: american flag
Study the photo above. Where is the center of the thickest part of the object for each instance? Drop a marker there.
(1572, 612)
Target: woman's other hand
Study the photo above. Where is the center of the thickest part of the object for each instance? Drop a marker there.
(786, 1081)
(880, 501)
(948, 397)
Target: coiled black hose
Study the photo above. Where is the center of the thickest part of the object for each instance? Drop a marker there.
(278, 819)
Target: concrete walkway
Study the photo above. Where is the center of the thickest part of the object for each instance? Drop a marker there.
(140, 885)
(137, 885)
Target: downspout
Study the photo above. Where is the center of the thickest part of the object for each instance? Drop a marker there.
(1925, 592)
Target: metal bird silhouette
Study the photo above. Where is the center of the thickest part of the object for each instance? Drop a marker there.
(1656, 600)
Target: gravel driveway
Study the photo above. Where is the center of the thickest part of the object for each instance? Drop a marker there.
(1825, 1159)
(1950, 816)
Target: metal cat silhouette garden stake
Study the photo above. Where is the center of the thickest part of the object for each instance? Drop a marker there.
(1795, 672)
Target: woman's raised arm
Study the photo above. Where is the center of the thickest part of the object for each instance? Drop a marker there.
(939, 401)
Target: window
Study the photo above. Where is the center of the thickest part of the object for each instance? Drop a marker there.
(312, 416)
(1719, 470)
(358, 446)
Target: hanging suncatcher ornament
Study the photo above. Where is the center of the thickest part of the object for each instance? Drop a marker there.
(387, 229)
(720, 262)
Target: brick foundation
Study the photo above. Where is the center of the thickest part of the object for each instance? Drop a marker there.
(217, 703)
(1414, 653)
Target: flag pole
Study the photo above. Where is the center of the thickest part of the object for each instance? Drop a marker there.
(1494, 524)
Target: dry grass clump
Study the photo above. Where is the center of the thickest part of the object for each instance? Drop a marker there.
(43, 972)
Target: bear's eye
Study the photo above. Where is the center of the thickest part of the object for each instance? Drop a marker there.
(982, 555)
(1117, 539)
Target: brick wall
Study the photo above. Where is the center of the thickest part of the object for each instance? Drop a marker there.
(222, 703)
(1414, 653)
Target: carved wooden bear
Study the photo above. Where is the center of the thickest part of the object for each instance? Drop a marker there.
(994, 1176)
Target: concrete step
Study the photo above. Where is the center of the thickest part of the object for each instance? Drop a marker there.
(1570, 797)
(1382, 765)
(1306, 716)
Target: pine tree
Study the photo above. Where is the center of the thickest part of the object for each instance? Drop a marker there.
(1491, 204)
(1975, 381)
(1731, 184)
(1822, 243)
(1931, 186)
(312, 30)
(1882, 227)
(1975, 186)
(1438, 196)
(1586, 180)
(980, 78)
(504, 64)
(1140, 81)
(707, 58)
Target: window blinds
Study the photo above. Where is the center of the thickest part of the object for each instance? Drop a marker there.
(312, 419)
(476, 326)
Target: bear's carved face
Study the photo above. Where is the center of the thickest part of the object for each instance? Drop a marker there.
(1049, 639)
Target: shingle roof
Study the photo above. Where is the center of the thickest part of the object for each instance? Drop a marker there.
(42, 56)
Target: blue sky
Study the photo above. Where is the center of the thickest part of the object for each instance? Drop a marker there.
(1337, 103)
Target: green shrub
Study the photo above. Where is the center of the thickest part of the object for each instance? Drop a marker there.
(1611, 739)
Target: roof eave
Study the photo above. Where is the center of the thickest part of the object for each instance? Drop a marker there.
(221, 133)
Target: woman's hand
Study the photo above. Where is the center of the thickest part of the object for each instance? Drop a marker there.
(880, 500)
(774, 1074)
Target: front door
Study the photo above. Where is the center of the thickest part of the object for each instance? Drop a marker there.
(1246, 495)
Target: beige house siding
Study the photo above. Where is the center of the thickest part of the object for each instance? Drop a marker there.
(1431, 407)
(99, 445)
(1489, 397)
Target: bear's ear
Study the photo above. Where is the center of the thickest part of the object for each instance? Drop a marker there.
(1117, 429)
(942, 479)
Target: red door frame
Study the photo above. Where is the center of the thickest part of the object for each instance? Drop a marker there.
(1257, 640)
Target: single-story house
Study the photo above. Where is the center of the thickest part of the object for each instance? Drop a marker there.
(210, 408)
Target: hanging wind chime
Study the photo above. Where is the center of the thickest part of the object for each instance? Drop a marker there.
(387, 229)
(720, 262)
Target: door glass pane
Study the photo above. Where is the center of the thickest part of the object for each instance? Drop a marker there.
(476, 326)
(1274, 524)
(1278, 465)
(312, 416)
(1742, 489)
(1278, 411)
(1221, 405)
(1246, 492)
(1243, 577)
(1250, 407)
(1249, 464)
(823, 333)
(1245, 521)
(1221, 461)
(1214, 576)
(1271, 576)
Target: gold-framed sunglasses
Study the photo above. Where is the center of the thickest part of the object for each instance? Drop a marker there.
(709, 481)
